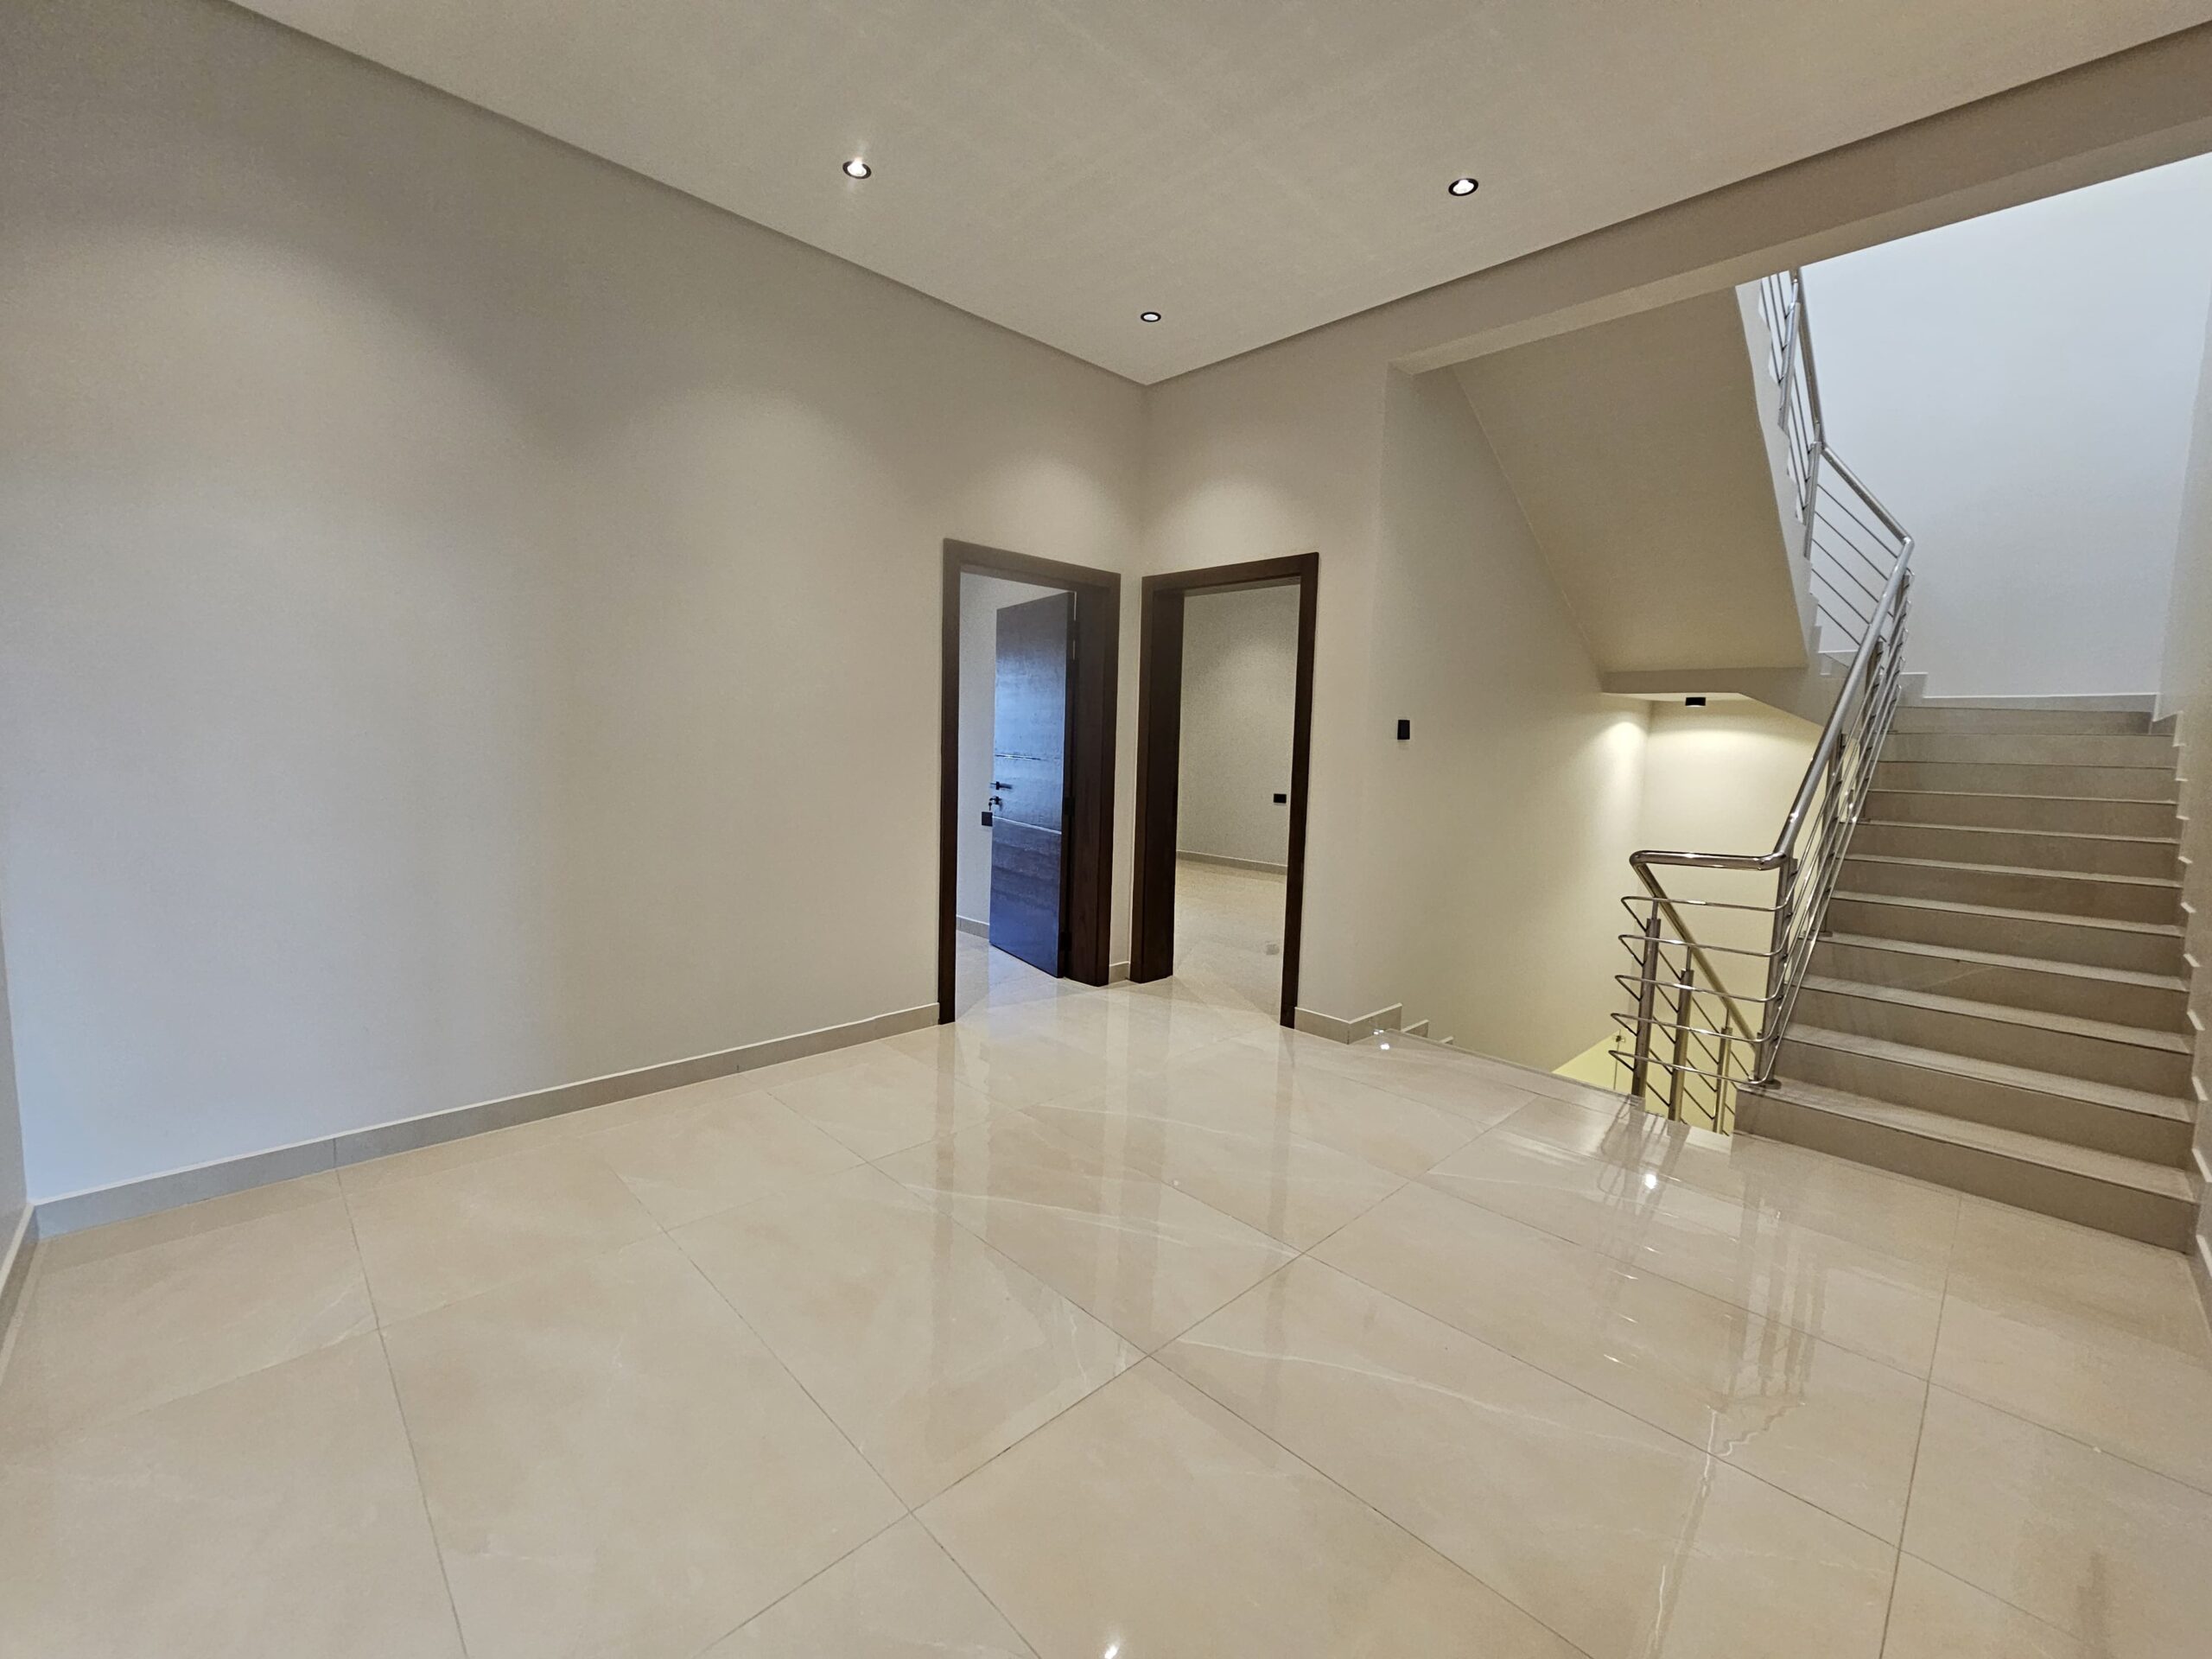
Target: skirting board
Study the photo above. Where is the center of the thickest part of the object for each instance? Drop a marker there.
(15, 1273)
(969, 925)
(1314, 1023)
(2119, 703)
(1117, 973)
(1232, 863)
(155, 1192)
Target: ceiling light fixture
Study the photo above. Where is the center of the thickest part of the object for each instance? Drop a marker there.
(857, 168)
(1147, 316)
(1464, 187)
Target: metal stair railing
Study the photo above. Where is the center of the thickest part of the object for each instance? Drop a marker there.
(1708, 1017)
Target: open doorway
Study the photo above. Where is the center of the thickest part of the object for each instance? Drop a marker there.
(1224, 725)
(1027, 787)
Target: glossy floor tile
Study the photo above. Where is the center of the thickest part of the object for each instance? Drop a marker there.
(899, 1596)
(120, 1333)
(1622, 1539)
(275, 1514)
(1139, 1255)
(932, 1350)
(1151, 1519)
(1883, 1305)
(1105, 1320)
(2109, 1553)
(614, 1464)
(1820, 1421)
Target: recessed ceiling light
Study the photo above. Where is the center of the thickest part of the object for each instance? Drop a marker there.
(1147, 316)
(857, 168)
(1464, 187)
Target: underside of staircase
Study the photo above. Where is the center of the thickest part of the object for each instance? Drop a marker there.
(1997, 1001)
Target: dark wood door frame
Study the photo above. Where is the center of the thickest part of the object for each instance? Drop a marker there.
(1087, 848)
(1160, 741)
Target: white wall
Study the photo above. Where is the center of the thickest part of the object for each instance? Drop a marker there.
(981, 599)
(2017, 388)
(1240, 686)
(469, 619)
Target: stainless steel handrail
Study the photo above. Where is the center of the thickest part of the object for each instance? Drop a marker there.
(1807, 852)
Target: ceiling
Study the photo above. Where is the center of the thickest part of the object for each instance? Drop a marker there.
(1249, 169)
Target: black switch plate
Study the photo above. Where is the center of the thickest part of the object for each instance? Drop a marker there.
(987, 820)
(1282, 800)
(1405, 730)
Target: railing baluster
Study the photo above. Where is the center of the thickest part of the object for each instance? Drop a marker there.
(1808, 856)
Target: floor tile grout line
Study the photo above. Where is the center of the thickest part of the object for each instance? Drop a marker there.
(1503, 1352)
(1926, 1392)
(406, 1434)
(1372, 1509)
(1461, 1197)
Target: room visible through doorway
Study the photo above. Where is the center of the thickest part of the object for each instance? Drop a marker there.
(1225, 723)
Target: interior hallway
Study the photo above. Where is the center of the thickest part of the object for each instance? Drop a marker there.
(1388, 1352)
(1229, 934)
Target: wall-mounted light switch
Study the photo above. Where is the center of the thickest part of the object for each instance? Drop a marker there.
(1405, 730)
(1282, 800)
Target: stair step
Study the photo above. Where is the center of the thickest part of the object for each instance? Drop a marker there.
(2130, 1122)
(1963, 717)
(1982, 778)
(2114, 898)
(2078, 853)
(2092, 941)
(2157, 1002)
(2097, 1050)
(2130, 1197)
(2059, 814)
(2032, 749)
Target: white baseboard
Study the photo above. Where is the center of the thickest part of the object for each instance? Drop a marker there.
(1117, 973)
(1314, 1023)
(969, 925)
(2118, 703)
(130, 1200)
(1224, 859)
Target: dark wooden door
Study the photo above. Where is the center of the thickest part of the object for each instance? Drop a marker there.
(1029, 769)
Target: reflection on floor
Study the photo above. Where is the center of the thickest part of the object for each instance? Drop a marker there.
(1229, 934)
(1107, 1322)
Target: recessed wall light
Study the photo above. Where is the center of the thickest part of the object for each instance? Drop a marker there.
(1147, 316)
(1464, 187)
(857, 168)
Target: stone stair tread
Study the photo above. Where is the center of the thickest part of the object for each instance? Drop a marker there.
(2016, 869)
(2015, 795)
(2049, 835)
(2157, 1180)
(1995, 959)
(2111, 1097)
(2004, 1013)
(2168, 930)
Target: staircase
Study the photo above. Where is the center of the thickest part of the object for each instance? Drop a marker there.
(1997, 998)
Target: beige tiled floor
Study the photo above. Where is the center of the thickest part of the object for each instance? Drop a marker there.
(1106, 1322)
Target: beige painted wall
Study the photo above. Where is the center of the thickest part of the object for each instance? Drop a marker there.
(981, 598)
(469, 620)
(2186, 691)
(1720, 779)
(1636, 447)
(1240, 687)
